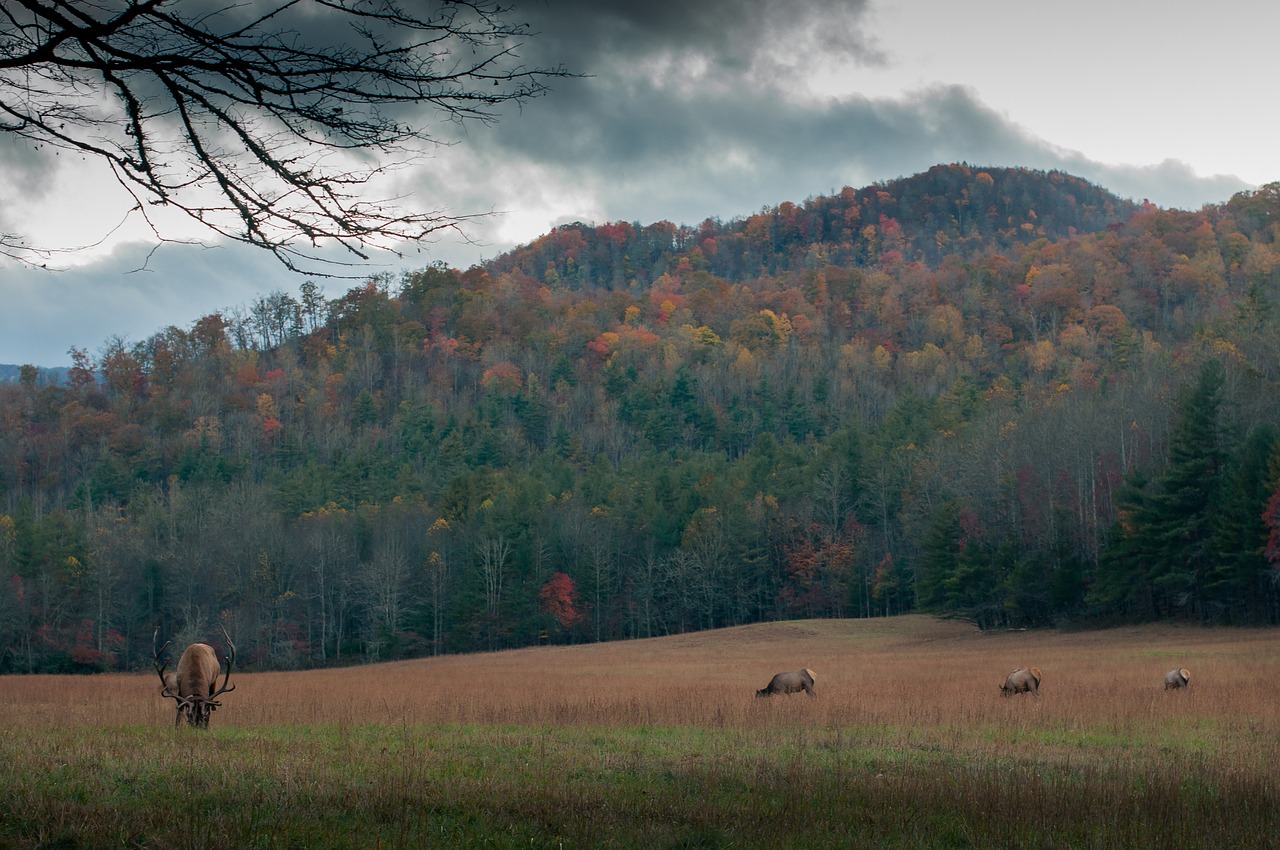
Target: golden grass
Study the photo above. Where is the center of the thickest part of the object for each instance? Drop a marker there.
(905, 670)
(662, 743)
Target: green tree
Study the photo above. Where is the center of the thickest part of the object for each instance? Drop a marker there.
(939, 558)
(1236, 581)
(1122, 586)
(1182, 509)
(1163, 548)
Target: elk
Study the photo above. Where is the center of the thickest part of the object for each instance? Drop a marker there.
(789, 683)
(195, 685)
(1175, 679)
(1022, 681)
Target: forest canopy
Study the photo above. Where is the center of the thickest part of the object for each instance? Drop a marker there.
(995, 394)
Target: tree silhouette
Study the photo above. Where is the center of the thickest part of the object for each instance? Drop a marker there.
(265, 120)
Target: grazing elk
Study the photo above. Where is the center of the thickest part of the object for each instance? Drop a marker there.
(1175, 679)
(1022, 681)
(789, 683)
(195, 684)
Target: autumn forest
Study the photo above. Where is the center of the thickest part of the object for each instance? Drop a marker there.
(1000, 395)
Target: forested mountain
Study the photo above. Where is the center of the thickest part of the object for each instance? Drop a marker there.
(998, 394)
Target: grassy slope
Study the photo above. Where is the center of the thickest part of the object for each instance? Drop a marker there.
(660, 743)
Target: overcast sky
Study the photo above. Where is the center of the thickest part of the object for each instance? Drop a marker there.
(717, 108)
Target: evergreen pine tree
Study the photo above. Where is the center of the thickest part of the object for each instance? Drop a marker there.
(1122, 585)
(1237, 577)
(1162, 549)
(1182, 508)
(939, 558)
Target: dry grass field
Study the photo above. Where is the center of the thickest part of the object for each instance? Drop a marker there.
(661, 743)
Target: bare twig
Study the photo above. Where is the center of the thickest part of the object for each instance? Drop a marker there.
(266, 120)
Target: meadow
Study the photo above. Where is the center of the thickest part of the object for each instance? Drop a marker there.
(661, 743)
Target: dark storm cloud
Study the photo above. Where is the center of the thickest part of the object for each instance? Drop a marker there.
(592, 37)
(695, 110)
(649, 154)
(670, 79)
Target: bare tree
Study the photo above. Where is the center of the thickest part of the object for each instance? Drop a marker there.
(437, 568)
(385, 585)
(494, 553)
(263, 120)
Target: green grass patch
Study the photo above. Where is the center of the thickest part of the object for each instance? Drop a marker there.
(476, 786)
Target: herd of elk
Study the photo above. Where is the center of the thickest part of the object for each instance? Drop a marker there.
(1024, 680)
(194, 686)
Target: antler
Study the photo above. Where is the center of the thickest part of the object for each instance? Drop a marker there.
(231, 660)
(155, 661)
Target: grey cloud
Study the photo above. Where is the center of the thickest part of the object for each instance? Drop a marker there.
(649, 155)
(649, 151)
(1168, 184)
(609, 36)
(714, 136)
(26, 170)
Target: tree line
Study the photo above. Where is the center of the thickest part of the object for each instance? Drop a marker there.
(1018, 400)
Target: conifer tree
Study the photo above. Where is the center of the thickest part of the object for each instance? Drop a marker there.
(1122, 585)
(1162, 550)
(939, 557)
(1186, 498)
(1236, 579)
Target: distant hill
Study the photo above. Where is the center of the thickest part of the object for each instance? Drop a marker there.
(950, 210)
(10, 374)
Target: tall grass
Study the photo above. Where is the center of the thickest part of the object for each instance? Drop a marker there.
(660, 743)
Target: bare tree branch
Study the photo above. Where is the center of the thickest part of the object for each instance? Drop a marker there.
(263, 120)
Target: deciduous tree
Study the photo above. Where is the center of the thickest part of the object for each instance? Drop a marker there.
(559, 598)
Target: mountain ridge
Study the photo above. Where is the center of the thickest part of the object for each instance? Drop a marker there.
(953, 209)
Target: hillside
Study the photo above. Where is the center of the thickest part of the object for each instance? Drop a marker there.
(998, 394)
(950, 210)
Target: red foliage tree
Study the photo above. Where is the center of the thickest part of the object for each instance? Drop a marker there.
(85, 651)
(817, 575)
(559, 598)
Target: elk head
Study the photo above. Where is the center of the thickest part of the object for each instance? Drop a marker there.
(194, 687)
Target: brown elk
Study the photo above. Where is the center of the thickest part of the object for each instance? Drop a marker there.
(195, 685)
(790, 683)
(1022, 681)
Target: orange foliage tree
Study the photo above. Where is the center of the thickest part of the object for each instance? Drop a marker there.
(559, 598)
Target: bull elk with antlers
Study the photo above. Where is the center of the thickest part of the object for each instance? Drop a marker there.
(195, 684)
